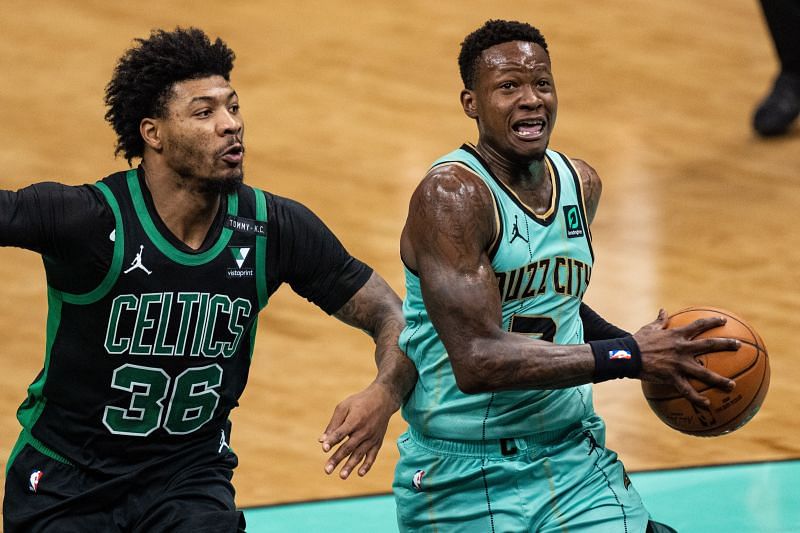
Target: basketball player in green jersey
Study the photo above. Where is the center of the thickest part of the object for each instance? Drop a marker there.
(502, 433)
(156, 277)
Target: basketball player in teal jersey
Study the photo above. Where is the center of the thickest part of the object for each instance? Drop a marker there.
(156, 276)
(502, 433)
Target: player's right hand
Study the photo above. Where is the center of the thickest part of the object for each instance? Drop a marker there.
(358, 425)
(668, 355)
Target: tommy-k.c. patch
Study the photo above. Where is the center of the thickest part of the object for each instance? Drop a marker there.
(245, 225)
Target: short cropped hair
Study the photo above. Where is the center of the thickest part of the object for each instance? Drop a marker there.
(145, 74)
(492, 33)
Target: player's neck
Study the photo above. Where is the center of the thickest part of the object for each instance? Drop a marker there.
(528, 174)
(186, 211)
(530, 179)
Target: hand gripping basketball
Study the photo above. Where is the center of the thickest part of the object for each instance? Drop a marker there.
(725, 410)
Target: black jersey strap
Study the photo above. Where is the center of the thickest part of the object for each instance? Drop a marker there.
(576, 178)
(596, 328)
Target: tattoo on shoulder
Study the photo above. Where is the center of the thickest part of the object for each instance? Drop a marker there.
(457, 202)
(592, 186)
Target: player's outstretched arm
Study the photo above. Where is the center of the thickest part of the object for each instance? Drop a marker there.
(362, 418)
(25, 216)
(55, 220)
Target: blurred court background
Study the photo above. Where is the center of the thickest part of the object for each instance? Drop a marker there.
(347, 102)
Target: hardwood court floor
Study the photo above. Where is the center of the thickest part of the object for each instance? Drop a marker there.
(346, 104)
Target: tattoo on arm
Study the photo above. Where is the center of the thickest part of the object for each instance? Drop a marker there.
(448, 232)
(376, 309)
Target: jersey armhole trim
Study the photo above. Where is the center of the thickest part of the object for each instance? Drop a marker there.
(116, 261)
(576, 176)
(494, 244)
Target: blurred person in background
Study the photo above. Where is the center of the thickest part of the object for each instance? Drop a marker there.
(780, 108)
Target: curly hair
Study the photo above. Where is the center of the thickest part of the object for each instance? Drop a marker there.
(492, 33)
(145, 74)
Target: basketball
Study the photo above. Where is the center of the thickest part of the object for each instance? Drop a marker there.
(748, 367)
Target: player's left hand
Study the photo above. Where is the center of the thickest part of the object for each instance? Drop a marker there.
(362, 419)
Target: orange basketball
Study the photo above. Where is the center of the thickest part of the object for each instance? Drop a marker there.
(748, 367)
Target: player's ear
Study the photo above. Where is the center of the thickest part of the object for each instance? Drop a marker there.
(150, 132)
(469, 103)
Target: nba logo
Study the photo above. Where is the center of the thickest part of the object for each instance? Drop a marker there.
(619, 354)
(33, 481)
(416, 481)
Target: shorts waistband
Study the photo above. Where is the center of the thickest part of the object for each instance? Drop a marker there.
(25, 437)
(492, 447)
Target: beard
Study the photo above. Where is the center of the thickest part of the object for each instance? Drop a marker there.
(220, 185)
(194, 167)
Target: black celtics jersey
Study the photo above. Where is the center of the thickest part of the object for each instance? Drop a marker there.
(153, 359)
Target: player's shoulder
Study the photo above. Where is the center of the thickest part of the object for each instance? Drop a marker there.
(78, 200)
(586, 172)
(453, 179)
(450, 194)
(287, 216)
(591, 184)
(116, 179)
(285, 205)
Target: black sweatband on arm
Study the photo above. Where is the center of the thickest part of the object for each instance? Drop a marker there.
(597, 328)
(616, 358)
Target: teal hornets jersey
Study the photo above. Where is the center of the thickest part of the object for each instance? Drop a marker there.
(543, 264)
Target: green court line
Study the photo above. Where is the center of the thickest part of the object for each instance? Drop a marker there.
(736, 498)
(746, 498)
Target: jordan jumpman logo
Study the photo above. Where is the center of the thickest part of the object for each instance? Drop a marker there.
(515, 232)
(137, 262)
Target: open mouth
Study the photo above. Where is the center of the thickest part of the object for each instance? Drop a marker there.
(529, 128)
(233, 154)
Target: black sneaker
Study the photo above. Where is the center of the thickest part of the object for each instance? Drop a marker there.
(779, 109)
